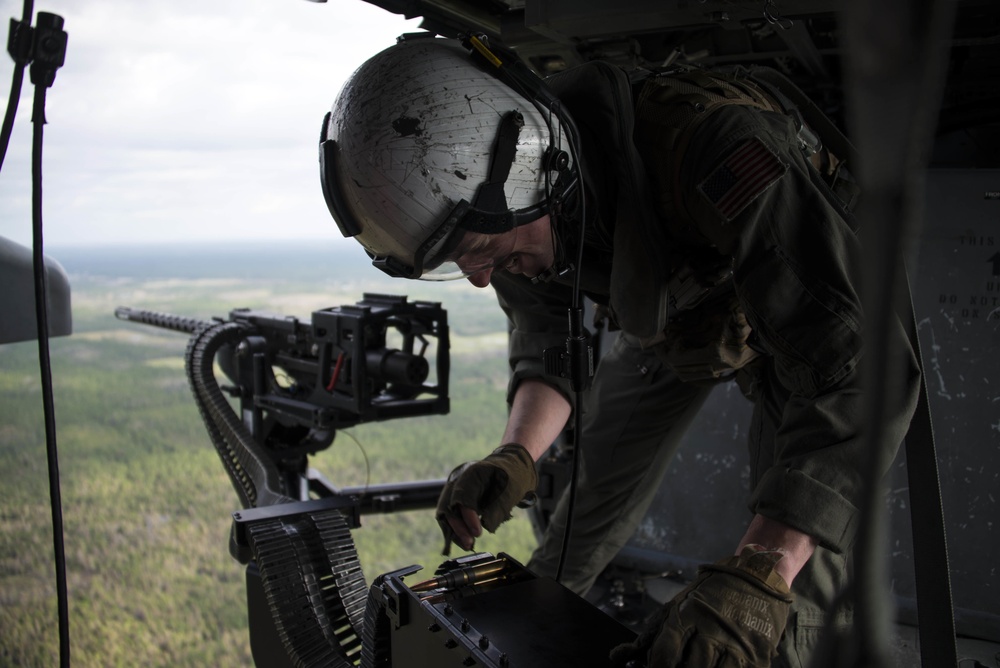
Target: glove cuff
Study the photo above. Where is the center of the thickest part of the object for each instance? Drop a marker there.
(755, 565)
(524, 459)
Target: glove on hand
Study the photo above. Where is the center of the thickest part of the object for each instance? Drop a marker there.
(732, 615)
(491, 487)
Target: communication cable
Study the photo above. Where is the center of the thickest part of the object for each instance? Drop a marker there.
(578, 361)
(45, 48)
(45, 365)
(19, 47)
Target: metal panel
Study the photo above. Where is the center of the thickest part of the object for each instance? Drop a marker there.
(956, 285)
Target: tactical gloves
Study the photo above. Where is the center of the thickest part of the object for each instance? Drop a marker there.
(731, 616)
(491, 487)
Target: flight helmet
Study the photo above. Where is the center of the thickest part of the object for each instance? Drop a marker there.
(433, 139)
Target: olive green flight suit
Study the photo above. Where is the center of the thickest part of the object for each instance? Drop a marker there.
(795, 276)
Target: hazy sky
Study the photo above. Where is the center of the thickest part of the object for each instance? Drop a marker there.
(186, 120)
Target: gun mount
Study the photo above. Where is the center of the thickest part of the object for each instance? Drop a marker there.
(295, 384)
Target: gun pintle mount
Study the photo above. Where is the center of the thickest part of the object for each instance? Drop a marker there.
(295, 384)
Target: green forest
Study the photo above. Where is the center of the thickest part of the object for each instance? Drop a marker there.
(147, 504)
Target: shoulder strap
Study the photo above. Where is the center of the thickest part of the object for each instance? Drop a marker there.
(599, 96)
(791, 96)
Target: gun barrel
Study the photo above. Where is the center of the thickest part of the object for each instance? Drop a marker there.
(163, 320)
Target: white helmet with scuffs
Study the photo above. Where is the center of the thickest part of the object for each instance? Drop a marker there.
(425, 144)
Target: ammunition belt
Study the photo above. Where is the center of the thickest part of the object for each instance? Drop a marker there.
(308, 563)
(314, 585)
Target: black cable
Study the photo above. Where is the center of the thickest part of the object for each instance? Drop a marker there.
(8, 119)
(41, 312)
(16, 46)
(574, 474)
(576, 344)
(46, 46)
(578, 355)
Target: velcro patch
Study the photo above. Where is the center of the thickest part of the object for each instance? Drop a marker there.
(742, 177)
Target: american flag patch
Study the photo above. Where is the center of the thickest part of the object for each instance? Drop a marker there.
(742, 177)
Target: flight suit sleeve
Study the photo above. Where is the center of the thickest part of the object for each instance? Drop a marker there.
(796, 263)
(538, 319)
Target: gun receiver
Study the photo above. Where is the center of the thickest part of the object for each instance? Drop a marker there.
(298, 382)
(337, 370)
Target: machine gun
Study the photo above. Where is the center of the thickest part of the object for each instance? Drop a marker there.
(295, 384)
(308, 604)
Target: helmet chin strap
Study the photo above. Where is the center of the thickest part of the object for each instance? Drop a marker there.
(559, 267)
(551, 273)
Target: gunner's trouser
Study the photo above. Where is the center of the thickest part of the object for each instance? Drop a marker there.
(635, 416)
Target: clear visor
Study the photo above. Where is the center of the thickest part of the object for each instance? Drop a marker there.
(467, 253)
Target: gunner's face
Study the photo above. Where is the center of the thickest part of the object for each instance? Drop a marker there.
(526, 250)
